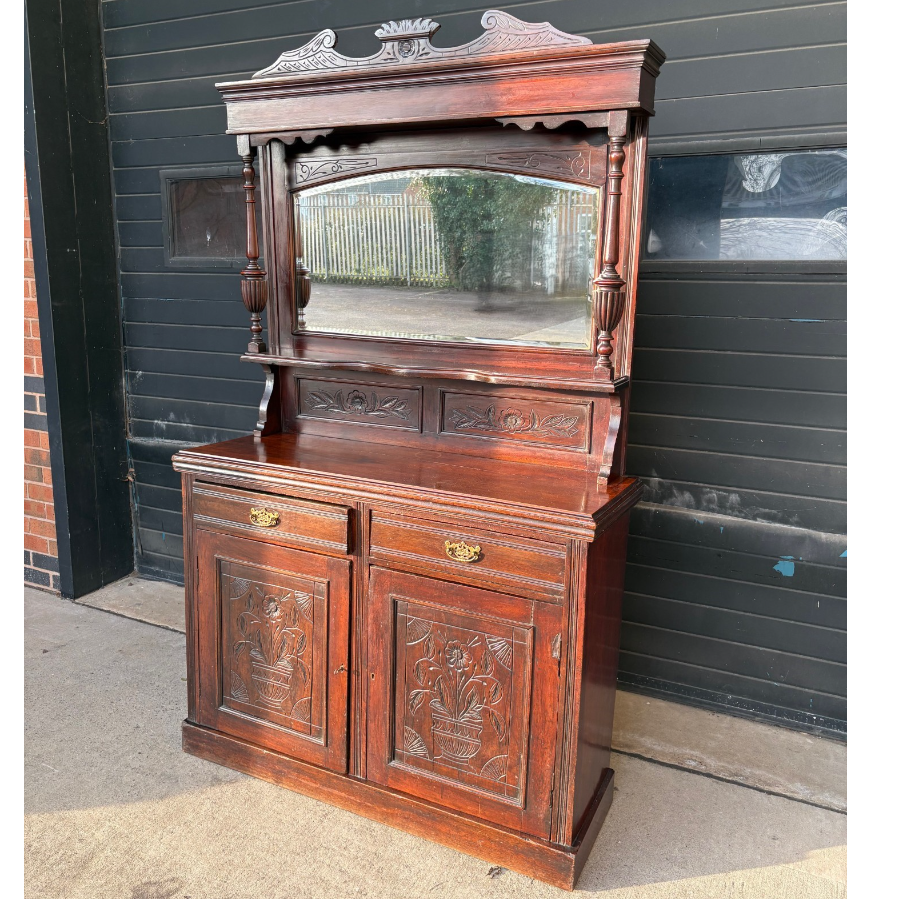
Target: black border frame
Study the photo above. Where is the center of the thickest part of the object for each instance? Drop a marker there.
(194, 263)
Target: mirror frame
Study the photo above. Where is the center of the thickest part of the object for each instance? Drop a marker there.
(335, 158)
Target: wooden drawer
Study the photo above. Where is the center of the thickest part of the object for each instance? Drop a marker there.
(275, 519)
(516, 564)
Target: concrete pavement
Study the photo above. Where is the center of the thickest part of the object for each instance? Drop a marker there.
(115, 809)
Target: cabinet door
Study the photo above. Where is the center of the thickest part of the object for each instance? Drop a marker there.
(273, 646)
(463, 697)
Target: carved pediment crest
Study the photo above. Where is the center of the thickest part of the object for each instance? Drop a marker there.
(409, 40)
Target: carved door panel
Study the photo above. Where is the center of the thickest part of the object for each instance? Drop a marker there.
(273, 646)
(463, 697)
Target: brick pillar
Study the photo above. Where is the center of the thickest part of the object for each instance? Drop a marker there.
(41, 564)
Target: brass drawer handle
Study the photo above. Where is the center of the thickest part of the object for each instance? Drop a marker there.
(462, 552)
(265, 518)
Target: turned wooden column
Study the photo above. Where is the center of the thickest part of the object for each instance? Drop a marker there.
(254, 286)
(302, 286)
(609, 286)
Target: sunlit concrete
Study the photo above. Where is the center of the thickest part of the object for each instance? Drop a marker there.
(115, 809)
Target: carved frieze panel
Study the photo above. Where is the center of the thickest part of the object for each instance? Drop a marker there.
(312, 170)
(362, 403)
(273, 647)
(546, 422)
(462, 697)
(409, 41)
(566, 163)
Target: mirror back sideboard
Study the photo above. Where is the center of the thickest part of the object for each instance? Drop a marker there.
(403, 591)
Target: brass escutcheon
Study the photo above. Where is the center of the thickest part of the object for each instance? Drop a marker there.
(462, 552)
(265, 518)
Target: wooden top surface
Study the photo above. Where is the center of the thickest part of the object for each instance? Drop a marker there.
(569, 498)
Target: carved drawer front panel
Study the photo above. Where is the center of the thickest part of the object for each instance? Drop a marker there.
(508, 417)
(471, 555)
(360, 403)
(275, 519)
(273, 628)
(467, 716)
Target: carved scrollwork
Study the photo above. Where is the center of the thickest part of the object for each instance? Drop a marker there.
(409, 41)
(559, 162)
(313, 171)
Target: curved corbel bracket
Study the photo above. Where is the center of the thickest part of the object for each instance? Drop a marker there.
(608, 450)
(270, 405)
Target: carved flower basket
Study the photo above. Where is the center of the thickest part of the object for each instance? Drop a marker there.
(272, 683)
(458, 742)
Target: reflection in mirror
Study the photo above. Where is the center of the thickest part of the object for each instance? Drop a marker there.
(449, 254)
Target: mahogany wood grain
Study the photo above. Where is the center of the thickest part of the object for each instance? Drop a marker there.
(359, 402)
(535, 567)
(254, 286)
(566, 501)
(595, 675)
(458, 682)
(513, 417)
(310, 525)
(420, 619)
(521, 425)
(569, 154)
(269, 421)
(274, 646)
(525, 366)
(191, 610)
(565, 80)
(545, 861)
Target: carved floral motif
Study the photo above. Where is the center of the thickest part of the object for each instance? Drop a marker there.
(409, 41)
(463, 676)
(513, 421)
(273, 631)
(358, 403)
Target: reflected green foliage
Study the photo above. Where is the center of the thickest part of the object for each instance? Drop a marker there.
(487, 226)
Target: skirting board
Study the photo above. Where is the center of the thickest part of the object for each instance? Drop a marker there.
(548, 862)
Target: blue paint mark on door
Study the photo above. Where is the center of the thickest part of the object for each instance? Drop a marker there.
(787, 567)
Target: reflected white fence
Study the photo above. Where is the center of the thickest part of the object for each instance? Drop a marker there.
(392, 239)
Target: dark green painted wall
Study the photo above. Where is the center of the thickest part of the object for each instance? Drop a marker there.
(736, 576)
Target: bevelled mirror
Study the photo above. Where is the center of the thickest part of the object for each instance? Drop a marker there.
(448, 254)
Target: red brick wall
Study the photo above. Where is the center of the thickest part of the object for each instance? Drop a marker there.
(41, 565)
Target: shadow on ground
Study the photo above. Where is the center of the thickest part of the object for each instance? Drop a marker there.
(115, 809)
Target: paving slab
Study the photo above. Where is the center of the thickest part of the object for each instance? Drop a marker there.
(777, 759)
(155, 602)
(114, 808)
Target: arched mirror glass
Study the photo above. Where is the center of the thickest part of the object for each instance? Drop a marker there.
(448, 254)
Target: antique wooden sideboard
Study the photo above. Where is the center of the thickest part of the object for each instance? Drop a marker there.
(403, 591)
